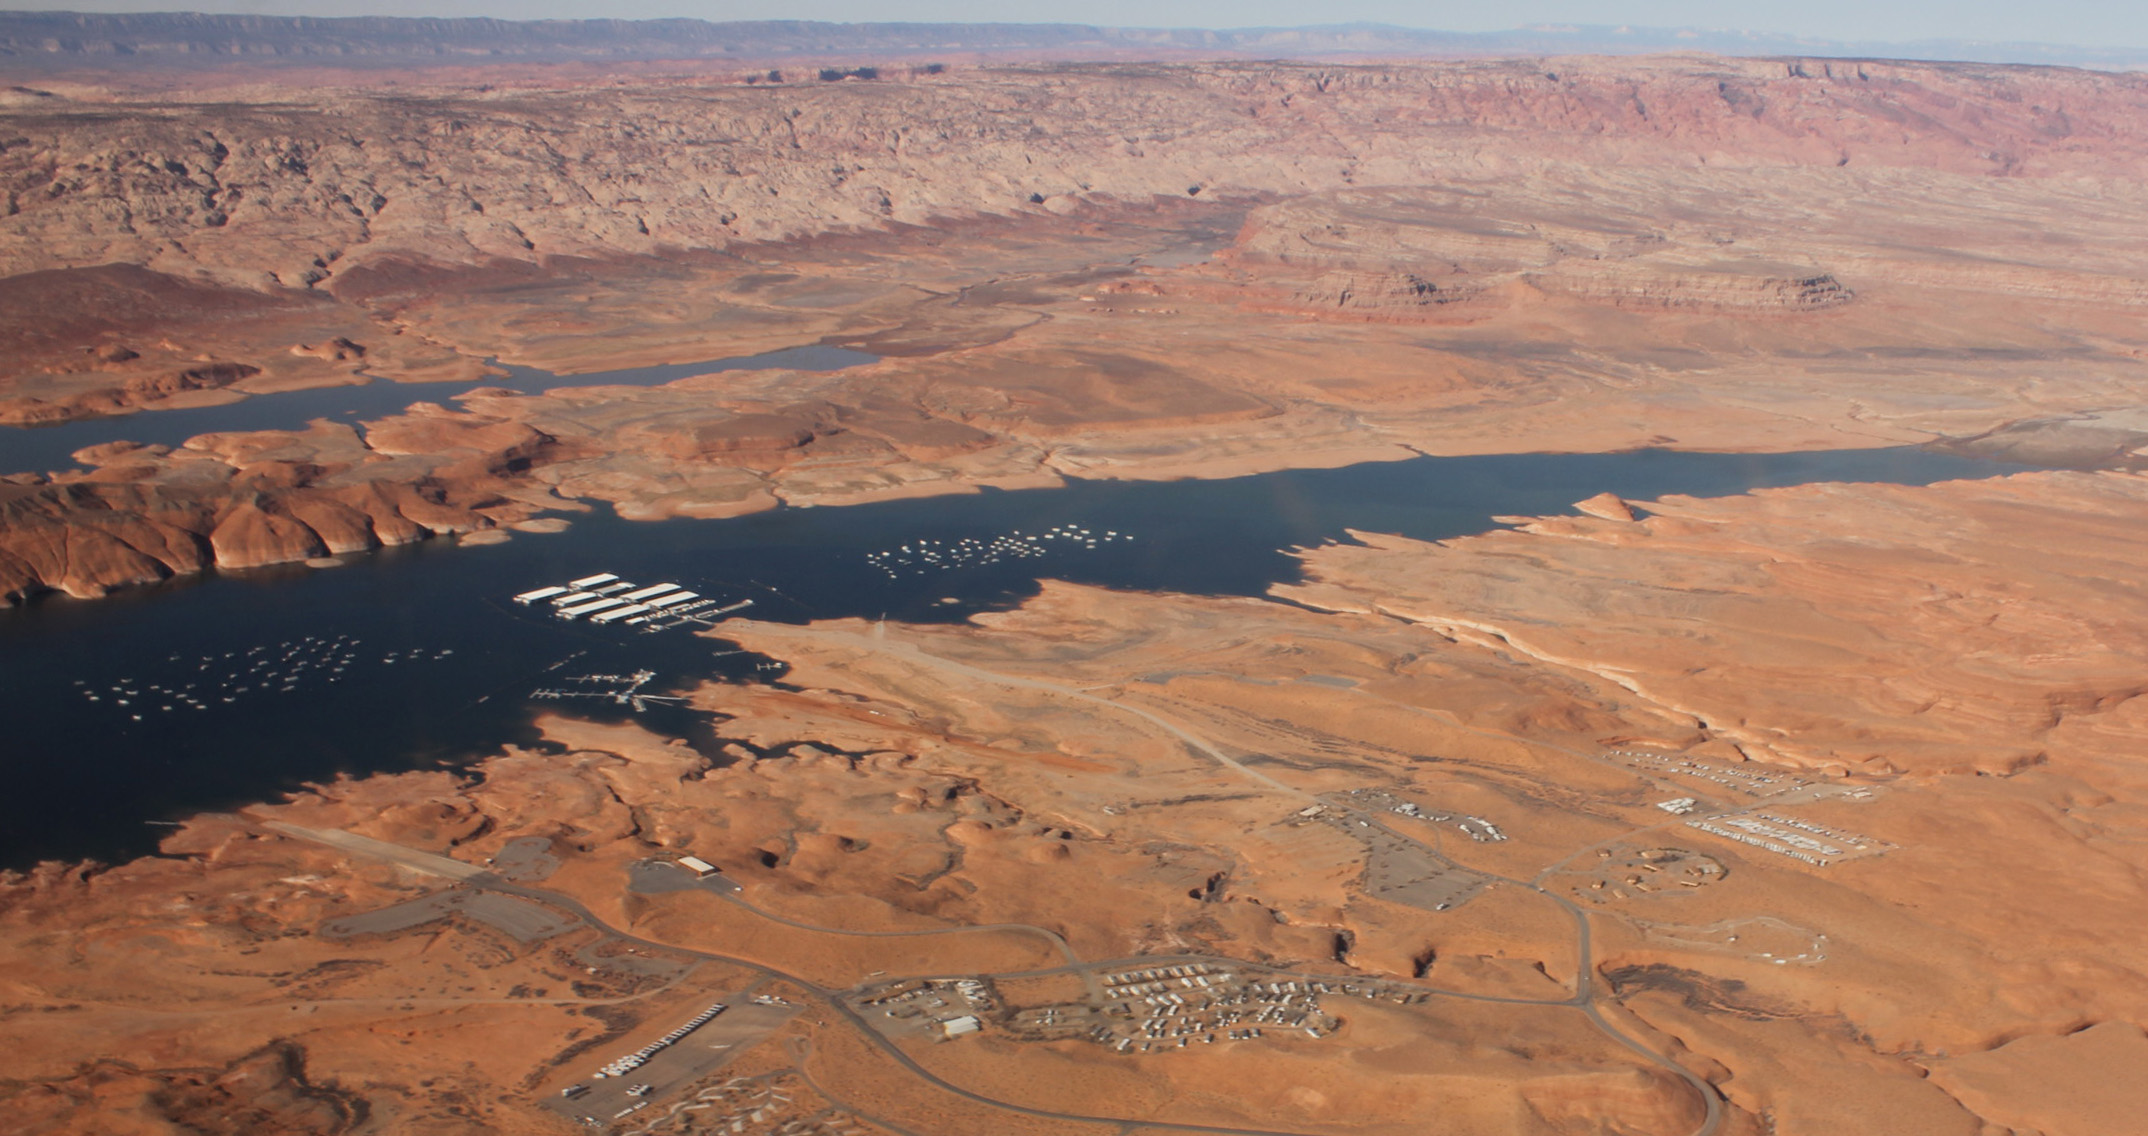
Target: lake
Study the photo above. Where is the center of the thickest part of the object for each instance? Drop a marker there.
(237, 687)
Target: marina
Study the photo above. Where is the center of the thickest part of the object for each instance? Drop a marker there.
(621, 690)
(605, 598)
(440, 644)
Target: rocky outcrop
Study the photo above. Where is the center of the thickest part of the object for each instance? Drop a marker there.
(1607, 506)
(181, 513)
(250, 536)
(134, 393)
(1746, 288)
(1402, 254)
(1396, 293)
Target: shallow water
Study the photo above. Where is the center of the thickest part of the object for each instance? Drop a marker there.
(437, 665)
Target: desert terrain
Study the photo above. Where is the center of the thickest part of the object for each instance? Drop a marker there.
(1806, 811)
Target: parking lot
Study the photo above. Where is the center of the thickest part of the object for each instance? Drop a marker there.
(608, 1100)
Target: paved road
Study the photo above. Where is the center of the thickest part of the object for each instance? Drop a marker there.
(1584, 998)
(424, 863)
(392, 853)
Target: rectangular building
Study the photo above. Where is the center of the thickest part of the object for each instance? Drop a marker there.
(652, 590)
(592, 581)
(591, 608)
(701, 868)
(540, 594)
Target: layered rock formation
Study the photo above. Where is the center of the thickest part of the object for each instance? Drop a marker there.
(297, 192)
(244, 501)
(1768, 310)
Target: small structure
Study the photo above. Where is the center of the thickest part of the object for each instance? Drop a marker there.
(956, 1027)
(701, 868)
(1677, 806)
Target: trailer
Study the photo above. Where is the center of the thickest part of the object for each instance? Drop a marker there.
(531, 597)
(618, 613)
(590, 608)
(652, 590)
(671, 600)
(592, 581)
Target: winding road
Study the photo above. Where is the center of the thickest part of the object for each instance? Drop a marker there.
(1583, 999)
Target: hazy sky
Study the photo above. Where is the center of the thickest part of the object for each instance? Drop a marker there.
(2091, 22)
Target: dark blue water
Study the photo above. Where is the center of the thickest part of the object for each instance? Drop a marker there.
(46, 448)
(437, 666)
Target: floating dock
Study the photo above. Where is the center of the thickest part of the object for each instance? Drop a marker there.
(533, 596)
(640, 594)
(592, 581)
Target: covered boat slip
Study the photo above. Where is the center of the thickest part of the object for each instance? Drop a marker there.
(606, 597)
(580, 610)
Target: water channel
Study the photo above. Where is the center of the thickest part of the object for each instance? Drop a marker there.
(237, 687)
(48, 447)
